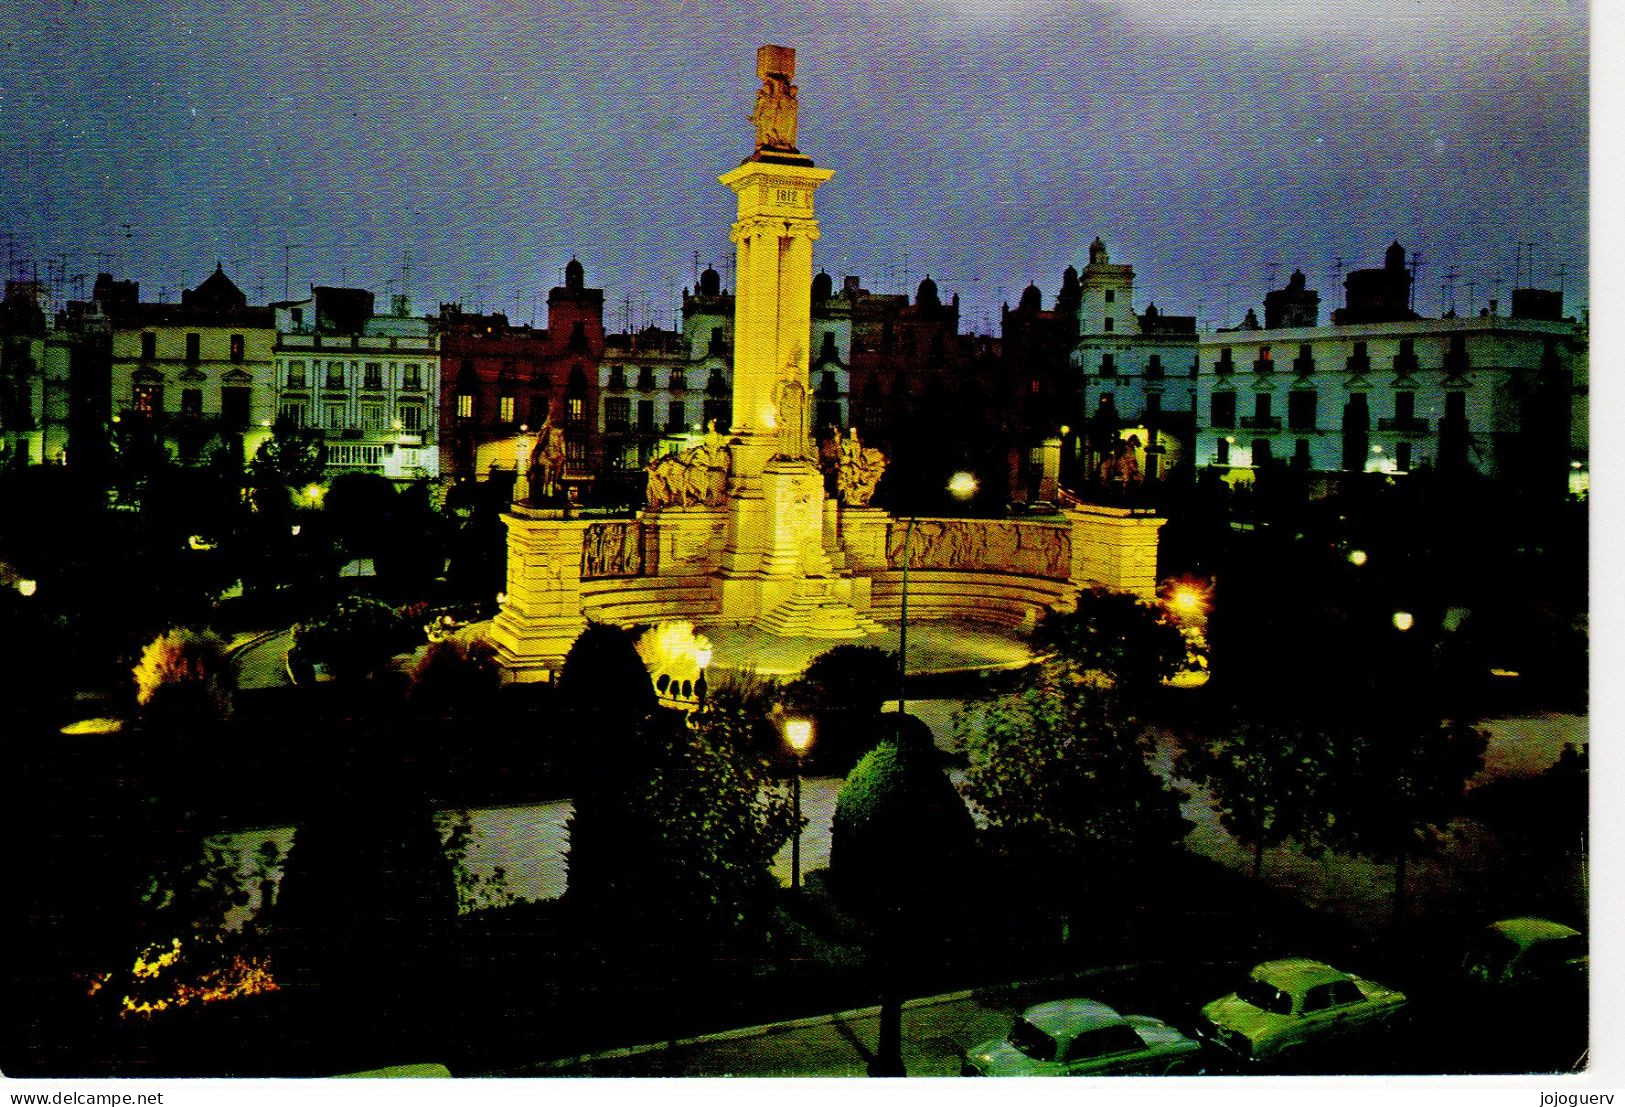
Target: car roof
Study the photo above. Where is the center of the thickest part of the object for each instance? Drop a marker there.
(1067, 1018)
(1527, 930)
(1296, 974)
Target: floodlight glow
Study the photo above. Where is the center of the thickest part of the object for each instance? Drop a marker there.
(1357, 557)
(1404, 620)
(962, 486)
(798, 732)
(27, 587)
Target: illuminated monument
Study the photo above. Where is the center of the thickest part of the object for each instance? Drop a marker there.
(738, 530)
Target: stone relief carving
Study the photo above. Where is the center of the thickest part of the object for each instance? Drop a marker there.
(612, 549)
(858, 469)
(996, 545)
(696, 477)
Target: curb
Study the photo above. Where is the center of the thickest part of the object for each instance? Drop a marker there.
(259, 639)
(764, 1030)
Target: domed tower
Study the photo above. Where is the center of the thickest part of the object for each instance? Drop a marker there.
(1105, 295)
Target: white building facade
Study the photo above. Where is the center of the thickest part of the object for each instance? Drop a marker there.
(370, 384)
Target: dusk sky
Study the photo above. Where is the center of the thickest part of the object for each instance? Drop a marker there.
(985, 142)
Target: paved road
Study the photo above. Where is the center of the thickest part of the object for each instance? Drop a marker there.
(936, 1031)
(261, 661)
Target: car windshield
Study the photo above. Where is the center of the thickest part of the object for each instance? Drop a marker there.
(1551, 956)
(1265, 997)
(1032, 1041)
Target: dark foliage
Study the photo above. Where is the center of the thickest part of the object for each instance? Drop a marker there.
(1117, 634)
(843, 689)
(901, 835)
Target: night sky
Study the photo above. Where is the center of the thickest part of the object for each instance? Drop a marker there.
(984, 142)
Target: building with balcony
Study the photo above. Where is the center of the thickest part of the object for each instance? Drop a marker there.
(193, 375)
(502, 381)
(1492, 393)
(368, 383)
(1137, 373)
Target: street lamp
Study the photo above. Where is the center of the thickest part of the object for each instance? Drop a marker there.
(961, 486)
(798, 733)
(702, 658)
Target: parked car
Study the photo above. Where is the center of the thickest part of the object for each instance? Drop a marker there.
(1082, 1037)
(1522, 954)
(1296, 1004)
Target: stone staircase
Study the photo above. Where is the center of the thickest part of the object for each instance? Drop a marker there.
(815, 614)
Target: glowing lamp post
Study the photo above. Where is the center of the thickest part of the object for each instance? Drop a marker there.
(961, 486)
(798, 734)
(702, 658)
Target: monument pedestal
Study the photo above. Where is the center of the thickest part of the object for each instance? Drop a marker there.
(543, 613)
(776, 573)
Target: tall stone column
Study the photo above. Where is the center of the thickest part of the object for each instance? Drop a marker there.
(774, 552)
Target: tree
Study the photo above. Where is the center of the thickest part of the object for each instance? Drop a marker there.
(612, 721)
(290, 458)
(1131, 641)
(721, 816)
(1271, 782)
(1063, 765)
(354, 640)
(843, 689)
(901, 833)
(1400, 787)
(185, 676)
(456, 674)
(368, 895)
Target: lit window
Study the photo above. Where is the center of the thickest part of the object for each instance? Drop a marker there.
(576, 411)
(505, 409)
(149, 399)
(465, 405)
(237, 347)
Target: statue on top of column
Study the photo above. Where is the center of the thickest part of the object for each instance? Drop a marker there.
(775, 114)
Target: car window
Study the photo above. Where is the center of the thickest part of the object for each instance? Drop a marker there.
(1265, 997)
(1344, 992)
(1318, 998)
(1489, 956)
(1032, 1041)
(1103, 1042)
(1546, 958)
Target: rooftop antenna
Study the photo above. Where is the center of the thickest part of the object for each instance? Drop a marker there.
(1447, 292)
(1472, 295)
(1558, 274)
(1417, 262)
(287, 252)
(696, 270)
(1337, 269)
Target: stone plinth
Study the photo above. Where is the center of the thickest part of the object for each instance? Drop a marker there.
(1115, 548)
(862, 537)
(543, 612)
